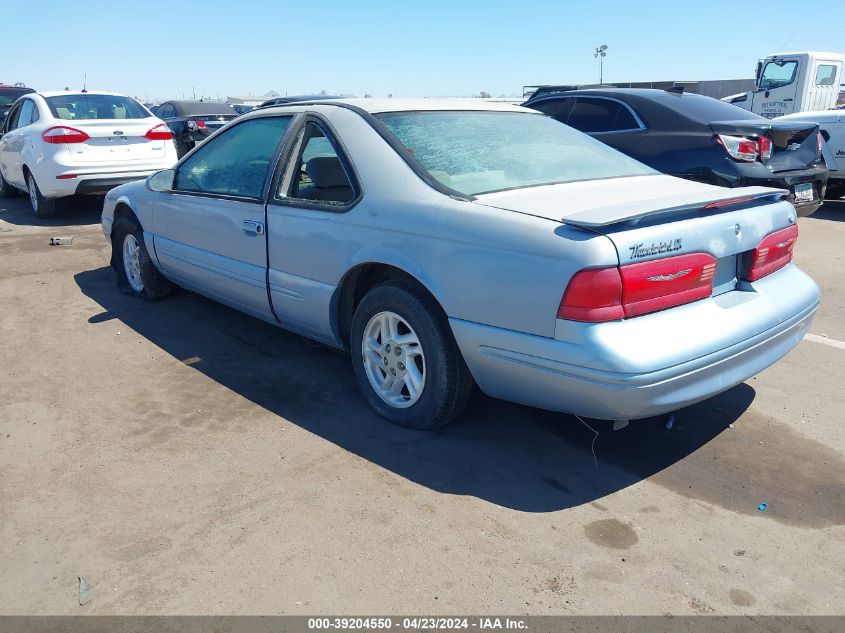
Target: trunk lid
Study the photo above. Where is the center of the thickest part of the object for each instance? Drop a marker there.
(795, 145)
(115, 141)
(654, 217)
(214, 121)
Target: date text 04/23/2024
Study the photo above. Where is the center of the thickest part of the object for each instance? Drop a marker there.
(416, 623)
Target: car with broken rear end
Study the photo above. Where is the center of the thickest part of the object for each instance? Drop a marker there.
(448, 244)
(699, 138)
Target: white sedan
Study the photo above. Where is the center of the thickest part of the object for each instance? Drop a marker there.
(57, 144)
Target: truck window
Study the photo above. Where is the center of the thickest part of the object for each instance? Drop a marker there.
(777, 74)
(825, 75)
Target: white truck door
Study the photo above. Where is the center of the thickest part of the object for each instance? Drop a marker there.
(779, 84)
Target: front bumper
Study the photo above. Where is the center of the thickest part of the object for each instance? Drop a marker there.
(648, 365)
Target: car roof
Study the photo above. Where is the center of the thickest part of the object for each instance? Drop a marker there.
(377, 106)
(59, 93)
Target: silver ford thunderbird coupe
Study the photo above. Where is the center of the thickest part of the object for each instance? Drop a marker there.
(449, 243)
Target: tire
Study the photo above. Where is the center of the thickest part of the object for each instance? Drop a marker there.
(41, 207)
(145, 281)
(442, 381)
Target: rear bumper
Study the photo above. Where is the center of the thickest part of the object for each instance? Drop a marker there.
(649, 365)
(101, 186)
(787, 180)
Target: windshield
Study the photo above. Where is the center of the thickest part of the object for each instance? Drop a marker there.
(9, 95)
(479, 152)
(77, 107)
(203, 107)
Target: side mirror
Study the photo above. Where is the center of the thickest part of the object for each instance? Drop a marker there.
(162, 181)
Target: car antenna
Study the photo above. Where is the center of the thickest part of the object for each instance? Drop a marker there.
(85, 82)
(676, 89)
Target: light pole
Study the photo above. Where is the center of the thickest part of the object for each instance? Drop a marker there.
(601, 53)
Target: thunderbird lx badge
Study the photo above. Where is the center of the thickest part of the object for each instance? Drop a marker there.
(638, 251)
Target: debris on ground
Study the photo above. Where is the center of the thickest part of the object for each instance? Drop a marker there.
(86, 591)
(762, 507)
(61, 239)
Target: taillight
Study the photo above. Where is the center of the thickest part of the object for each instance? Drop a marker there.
(159, 133)
(196, 125)
(764, 146)
(773, 253)
(665, 283)
(607, 294)
(745, 149)
(593, 295)
(60, 134)
(819, 143)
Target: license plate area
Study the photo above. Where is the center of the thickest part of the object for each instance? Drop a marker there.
(804, 193)
(726, 275)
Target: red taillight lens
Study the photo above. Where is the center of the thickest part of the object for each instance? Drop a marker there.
(773, 253)
(593, 295)
(608, 294)
(665, 283)
(738, 147)
(764, 146)
(159, 133)
(61, 134)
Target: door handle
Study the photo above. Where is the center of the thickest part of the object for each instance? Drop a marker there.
(251, 226)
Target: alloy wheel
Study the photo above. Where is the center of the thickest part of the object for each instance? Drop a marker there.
(393, 358)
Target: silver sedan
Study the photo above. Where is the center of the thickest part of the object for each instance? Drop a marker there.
(450, 243)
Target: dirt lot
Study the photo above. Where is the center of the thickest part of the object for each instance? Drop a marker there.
(184, 458)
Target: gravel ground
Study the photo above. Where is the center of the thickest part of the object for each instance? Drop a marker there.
(184, 458)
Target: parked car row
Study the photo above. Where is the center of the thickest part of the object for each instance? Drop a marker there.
(447, 244)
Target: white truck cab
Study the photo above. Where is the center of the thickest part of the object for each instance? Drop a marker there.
(793, 82)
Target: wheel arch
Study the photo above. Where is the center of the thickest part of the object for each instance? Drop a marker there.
(361, 278)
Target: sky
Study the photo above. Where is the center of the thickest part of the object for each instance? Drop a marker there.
(220, 48)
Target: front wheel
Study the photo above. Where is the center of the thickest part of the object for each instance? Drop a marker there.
(136, 273)
(406, 361)
(41, 207)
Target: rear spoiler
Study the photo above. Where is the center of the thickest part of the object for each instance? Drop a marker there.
(657, 208)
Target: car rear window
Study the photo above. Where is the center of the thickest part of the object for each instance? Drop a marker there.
(475, 152)
(78, 107)
(204, 107)
(9, 95)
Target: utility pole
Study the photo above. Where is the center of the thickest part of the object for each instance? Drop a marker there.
(601, 53)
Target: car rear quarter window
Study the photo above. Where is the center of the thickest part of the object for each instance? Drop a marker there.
(86, 106)
(234, 162)
(596, 114)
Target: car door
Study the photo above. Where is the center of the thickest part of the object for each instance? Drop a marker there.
(210, 227)
(309, 198)
(12, 143)
(609, 120)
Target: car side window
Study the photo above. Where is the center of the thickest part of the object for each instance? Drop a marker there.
(601, 115)
(558, 109)
(319, 174)
(235, 162)
(26, 113)
(13, 118)
(778, 74)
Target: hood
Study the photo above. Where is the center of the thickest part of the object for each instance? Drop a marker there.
(601, 202)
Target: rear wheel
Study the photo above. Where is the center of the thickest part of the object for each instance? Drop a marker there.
(406, 361)
(41, 207)
(136, 273)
